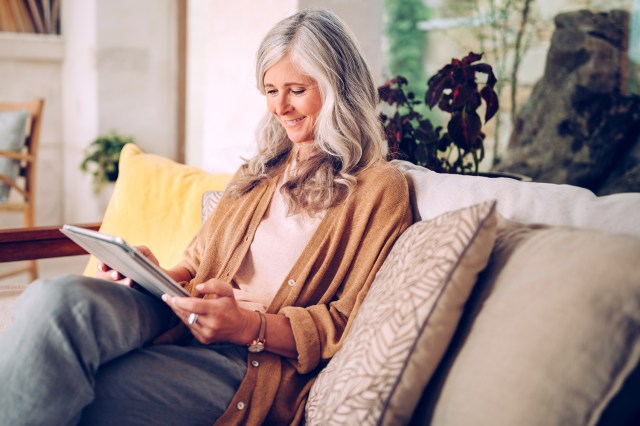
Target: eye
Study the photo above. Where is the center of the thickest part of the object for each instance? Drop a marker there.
(297, 91)
(272, 92)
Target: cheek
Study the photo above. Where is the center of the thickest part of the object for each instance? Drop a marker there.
(315, 106)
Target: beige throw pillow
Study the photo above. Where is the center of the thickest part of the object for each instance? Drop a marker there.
(555, 334)
(406, 321)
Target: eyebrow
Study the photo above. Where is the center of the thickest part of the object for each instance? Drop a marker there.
(287, 84)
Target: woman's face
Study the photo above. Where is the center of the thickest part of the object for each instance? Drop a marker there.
(294, 99)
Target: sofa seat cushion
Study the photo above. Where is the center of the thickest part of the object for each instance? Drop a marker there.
(406, 321)
(552, 335)
(158, 203)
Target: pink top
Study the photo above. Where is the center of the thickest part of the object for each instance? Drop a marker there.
(277, 244)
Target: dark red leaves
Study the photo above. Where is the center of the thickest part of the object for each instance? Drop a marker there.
(455, 90)
(491, 99)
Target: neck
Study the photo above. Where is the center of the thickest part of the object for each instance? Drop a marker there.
(303, 151)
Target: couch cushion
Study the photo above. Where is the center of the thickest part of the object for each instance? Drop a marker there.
(158, 203)
(405, 322)
(13, 131)
(529, 202)
(554, 333)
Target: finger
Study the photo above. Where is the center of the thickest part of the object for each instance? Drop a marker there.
(146, 252)
(126, 281)
(180, 312)
(217, 287)
(102, 266)
(183, 307)
(117, 277)
(189, 305)
(200, 337)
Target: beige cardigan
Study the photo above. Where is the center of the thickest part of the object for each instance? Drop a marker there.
(322, 292)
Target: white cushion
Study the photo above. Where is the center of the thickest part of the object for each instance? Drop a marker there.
(527, 202)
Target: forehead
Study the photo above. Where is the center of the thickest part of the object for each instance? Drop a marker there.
(285, 72)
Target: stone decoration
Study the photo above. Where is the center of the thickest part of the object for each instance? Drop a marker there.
(580, 126)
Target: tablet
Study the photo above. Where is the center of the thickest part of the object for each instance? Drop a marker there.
(122, 257)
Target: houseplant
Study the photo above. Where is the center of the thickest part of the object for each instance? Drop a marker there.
(101, 159)
(455, 90)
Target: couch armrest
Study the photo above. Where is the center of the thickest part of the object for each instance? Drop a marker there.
(38, 243)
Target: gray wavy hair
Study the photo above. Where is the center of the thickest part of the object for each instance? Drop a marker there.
(347, 134)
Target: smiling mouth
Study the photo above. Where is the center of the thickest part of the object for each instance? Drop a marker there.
(293, 122)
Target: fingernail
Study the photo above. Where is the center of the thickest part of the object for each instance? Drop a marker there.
(199, 286)
(164, 298)
(114, 275)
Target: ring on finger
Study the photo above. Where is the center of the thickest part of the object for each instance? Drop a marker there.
(193, 318)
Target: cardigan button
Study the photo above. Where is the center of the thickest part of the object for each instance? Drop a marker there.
(255, 363)
(240, 406)
(291, 282)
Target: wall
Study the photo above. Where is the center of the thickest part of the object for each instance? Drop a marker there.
(120, 74)
(80, 107)
(137, 67)
(115, 68)
(223, 105)
(31, 67)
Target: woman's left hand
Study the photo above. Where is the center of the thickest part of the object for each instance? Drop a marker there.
(220, 319)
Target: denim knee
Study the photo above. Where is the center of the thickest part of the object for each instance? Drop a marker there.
(46, 297)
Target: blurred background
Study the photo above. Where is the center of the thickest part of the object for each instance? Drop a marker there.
(177, 76)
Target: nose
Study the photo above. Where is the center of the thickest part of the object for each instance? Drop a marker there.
(282, 105)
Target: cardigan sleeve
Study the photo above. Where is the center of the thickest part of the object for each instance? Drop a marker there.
(371, 221)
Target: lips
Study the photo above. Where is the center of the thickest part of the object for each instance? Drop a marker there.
(291, 123)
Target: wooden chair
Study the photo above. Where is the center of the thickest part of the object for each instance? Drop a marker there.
(24, 186)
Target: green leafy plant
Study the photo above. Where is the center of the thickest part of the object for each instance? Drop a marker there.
(102, 157)
(455, 90)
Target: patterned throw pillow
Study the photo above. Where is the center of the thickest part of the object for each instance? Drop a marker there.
(210, 200)
(406, 321)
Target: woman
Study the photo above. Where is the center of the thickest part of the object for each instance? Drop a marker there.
(277, 272)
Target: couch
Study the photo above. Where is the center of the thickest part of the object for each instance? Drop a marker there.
(506, 303)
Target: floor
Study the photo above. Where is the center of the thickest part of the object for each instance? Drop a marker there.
(12, 287)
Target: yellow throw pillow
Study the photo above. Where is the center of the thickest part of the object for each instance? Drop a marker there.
(158, 203)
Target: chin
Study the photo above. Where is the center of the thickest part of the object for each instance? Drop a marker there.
(298, 139)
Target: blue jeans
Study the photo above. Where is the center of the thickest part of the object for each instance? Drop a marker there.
(78, 352)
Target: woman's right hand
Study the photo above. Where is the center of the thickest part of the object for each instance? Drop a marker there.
(105, 272)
